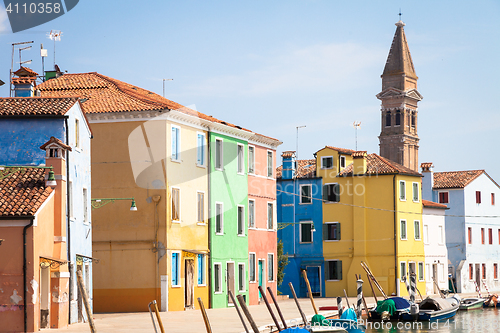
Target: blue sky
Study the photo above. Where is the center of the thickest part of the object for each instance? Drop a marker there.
(272, 66)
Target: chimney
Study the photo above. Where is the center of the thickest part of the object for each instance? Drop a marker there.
(25, 82)
(359, 163)
(427, 180)
(289, 165)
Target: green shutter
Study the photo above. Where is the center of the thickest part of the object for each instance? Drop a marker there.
(339, 270)
(325, 231)
(325, 192)
(338, 231)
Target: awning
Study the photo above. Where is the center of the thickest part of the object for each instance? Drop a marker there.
(47, 261)
(191, 253)
(80, 258)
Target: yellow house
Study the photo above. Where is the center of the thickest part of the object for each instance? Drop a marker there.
(372, 213)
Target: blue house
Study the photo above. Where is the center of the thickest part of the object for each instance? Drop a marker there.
(300, 222)
(35, 128)
(472, 225)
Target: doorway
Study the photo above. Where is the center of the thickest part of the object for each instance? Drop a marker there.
(189, 284)
(230, 281)
(435, 278)
(314, 277)
(261, 276)
(478, 276)
(45, 297)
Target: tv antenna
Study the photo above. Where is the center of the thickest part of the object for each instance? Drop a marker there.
(164, 85)
(55, 35)
(11, 75)
(356, 125)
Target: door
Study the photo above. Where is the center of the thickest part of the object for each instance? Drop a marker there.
(44, 297)
(313, 275)
(435, 278)
(478, 276)
(261, 275)
(189, 284)
(230, 281)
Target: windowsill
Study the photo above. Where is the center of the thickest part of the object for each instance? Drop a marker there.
(72, 219)
(175, 161)
(323, 168)
(305, 203)
(252, 282)
(240, 173)
(241, 235)
(417, 201)
(332, 280)
(403, 239)
(175, 221)
(331, 202)
(418, 240)
(218, 293)
(402, 199)
(251, 173)
(219, 169)
(305, 242)
(201, 223)
(201, 166)
(271, 230)
(201, 285)
(176, 286)
(242, 291)
(270, 178)
(252, 228)
(219, 234)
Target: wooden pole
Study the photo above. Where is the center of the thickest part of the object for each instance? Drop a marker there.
(158, 318)
(204, 314)
(365, 267)
(437, 286)
(371, 286)
(86, 302)
(244, 307)
(304, 318)
(348, 306)
(270, 309)
(238, 310)
(304, 274)
(277, 307)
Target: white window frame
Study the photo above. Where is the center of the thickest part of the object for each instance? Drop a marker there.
(419, 232)
(421, 264)
(254, 267)
(413, 192)
(221, 155)
(402, 276)
(203, 209)
(242, 222)
(220, 278)
(342, 161)
(221, 218)
(203, 149)
(403, 196)
(251, 161)
(179, 266)
(172, 205)
(327, 278)
(240, 165)
(204, 268)
(178, 159)
(273, 215)
(267, 164)
(271, 263)
(244, 278)
(426, 233)
(401, 229)
(441, 235)
(300, 196)
(77, 133)
(323, 164)
(311, 223)
(249, 213)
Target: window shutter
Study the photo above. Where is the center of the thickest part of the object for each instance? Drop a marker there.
(336, 192)
(339, 270)
(325, 231)
(338, 231)
(325, 192)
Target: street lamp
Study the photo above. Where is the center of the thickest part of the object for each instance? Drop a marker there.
(100, 202)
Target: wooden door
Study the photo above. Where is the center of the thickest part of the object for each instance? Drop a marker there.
(230, 280)
(189, 284)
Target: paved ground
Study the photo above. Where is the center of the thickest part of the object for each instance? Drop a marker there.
(222, 320)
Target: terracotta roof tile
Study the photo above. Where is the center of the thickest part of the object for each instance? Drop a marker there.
(431, 204)
(25, 71)
(455, 179)
(35, 106)
(102, 94)
(22, 193)
(23, 80)
(287, 154)
(340, 150)
(305, 169)
(377, 165)
(359, 154)
(57, 141)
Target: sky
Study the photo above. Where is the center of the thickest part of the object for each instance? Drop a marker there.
(271, 66)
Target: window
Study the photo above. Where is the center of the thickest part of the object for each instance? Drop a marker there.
(218, 154)
(398, 118)
(498, 236)
(219, 223)
(77, 133)
(402, 270)
(326, 162)
(70, 190)
(495, 271)
(333, 270)
(388, 119)
(201, 204)
(251, 159)
(176, 143)
(428, 272)
(241, 220)
(306, 233)
(270, 164)
(471, 272)
(241, 277)
(469, 235)
(443, 197)
(403, 229)
(402, 190)
(420, 271)
(251, 213)
(176, 204)
(331, 231)
(176, 269)
(426, 234)
(342, 161)
(270, 267)
(490, 236)
(416, 225)
(441, 234)
(200, 152)
(483, 271)
(53, 152)
(413, 119)
(85, 206)
(478, 197)
(331, 192)
(415, 192)
(305, 194)
(217, 278)
(251, 267)
(201, 269)
(482, 235)
(270, 216)
(241, 161)
(493, 199)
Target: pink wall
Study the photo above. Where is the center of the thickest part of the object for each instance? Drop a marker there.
(262, 241)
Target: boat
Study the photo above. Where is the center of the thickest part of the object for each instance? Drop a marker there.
(348, 321)
(491, 301)
(390, 309)
(472, 303)
(435, 309)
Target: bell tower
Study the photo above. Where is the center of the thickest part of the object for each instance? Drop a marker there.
(399, 112)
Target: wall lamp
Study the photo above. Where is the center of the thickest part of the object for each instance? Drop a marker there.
(100, 202)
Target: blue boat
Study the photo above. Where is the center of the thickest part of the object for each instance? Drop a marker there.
(435, 309)
(348, 321)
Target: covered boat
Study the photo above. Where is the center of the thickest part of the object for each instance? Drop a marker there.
(348, 321)
(390, 309)
(436, 309)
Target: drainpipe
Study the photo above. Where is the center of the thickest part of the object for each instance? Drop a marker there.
(25, 229)
(395, 236)
(68, 222)
(209, 165)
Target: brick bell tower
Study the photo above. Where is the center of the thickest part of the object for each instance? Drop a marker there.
(398, 136)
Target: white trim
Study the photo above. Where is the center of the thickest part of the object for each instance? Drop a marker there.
(323, 165)
(171, 204)
(274, 267)
(423, 271)
(274, 215)
(242, 222)
(264, 141)
(248, 160)
(300, 194)
(244, 278)
(221, 155)
(255, 267)
(204, 282)
(399, 190)
(197, 212)
(179, 157)
(221, 218)
(220, 278)
(254, 209)
(342, 157)
(204, 164)
(238, 145)
(264, 273)
(311, 223)
(418, 192)
(400, 273)
(400, 229)
(419, 231)
(273, 172)
(234, 276)
(179, 266)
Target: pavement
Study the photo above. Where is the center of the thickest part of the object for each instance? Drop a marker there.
(221, 320)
